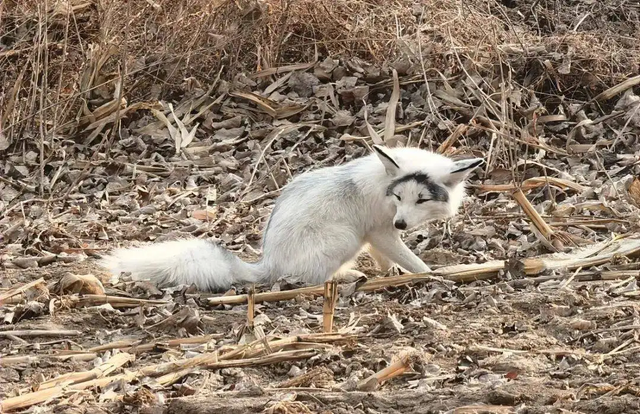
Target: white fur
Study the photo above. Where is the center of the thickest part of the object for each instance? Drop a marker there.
(320, 223)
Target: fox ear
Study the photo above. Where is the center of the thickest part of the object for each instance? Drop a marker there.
(387, 160)
(461, 170)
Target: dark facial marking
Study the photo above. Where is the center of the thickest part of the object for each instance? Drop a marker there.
(438, 192)
(386, 156)
(468, 167)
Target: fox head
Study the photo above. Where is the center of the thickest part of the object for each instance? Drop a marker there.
(424, 185)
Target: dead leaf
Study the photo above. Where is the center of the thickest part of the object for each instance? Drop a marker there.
(72, 283)
(634, 192)
(204, 214)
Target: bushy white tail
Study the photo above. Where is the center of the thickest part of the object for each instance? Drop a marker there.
(203, 263)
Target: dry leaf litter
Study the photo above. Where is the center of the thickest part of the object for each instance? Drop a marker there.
(133, 122)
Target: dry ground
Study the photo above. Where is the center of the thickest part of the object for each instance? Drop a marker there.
(93, 157)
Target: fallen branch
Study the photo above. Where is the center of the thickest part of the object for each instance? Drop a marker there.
(103, 370)
(37, 397)
(547, 235)
(390, 118)
(593, 255)
(40, 332)
(458, 273)
(617, 89)
(452, 139)
(590, 256)
(483, 408)
(134, 346)
(19, 290)
(251, 350)
(372, 382)
(530, 184)
(169, 372)
(72, 382)
(330, 297)
(115, 301)
(30, 359)
(590, 276)
(283, 356)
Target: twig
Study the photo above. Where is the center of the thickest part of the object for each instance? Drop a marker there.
(397, 368)
(115, 362)
(452, 139)
(251, 307)
(115, 301)
(533, 215)
(530, 184)
(135, 346)
(73, 381)
(251, 350)
(330, 296)
(20, 289)
(601, 330)
(41, 332)
(38, 397)
(590, 256)
(168, 372)
(613, 91)
(30, 359)
(458, 273)
(390, 120)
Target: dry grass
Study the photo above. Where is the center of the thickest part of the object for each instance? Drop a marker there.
(64, 60)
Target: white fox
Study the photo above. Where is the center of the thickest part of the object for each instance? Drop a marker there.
(321, 222)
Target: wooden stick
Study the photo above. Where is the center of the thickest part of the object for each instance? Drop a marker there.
(251, 308)
(585, 257)
(16, 339)
(20, 289)
(250, 350)
(590, 276)
(546, 234)
(451, 139)
(530, 184)
(397, 368)
(533, 215)
(103, 370)
(170, 372)
(457, 273)
(330, 296)
(483, 408)
(74, 381)
(264, 360)
(134, 346)
(29, 359)
(590, 256)
(41, 332)
(115, 301)
(173, 377)
(37, 397)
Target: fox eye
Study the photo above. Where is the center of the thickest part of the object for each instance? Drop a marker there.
(422, 200)
(398, 197)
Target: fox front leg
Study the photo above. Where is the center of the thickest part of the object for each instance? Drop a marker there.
(392, 247)
(381, 260)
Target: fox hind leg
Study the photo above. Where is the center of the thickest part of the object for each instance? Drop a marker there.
(348, 276)
(346, 273)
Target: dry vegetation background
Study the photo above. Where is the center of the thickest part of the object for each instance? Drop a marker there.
(133, 121)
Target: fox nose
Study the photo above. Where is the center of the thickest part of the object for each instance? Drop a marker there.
(400, 224)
